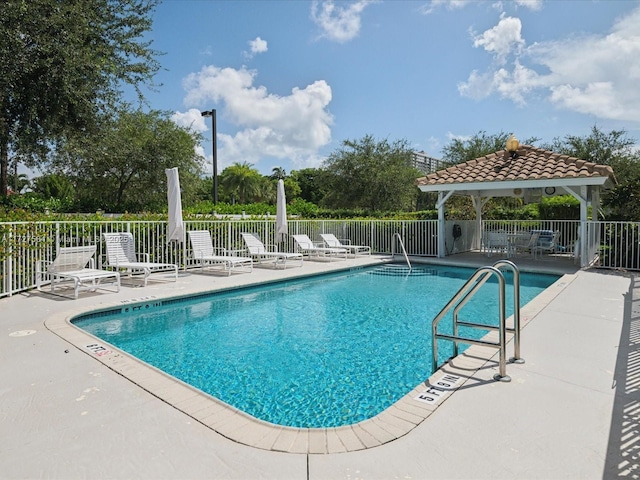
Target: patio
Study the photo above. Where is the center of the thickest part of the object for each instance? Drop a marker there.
(571, 411)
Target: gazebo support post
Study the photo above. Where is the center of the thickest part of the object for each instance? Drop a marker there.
(478, 203)
(586, 193)
(442, 200)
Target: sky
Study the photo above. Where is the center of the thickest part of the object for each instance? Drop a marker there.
(291, 80)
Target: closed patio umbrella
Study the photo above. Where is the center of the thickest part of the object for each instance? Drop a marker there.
(175, 230)
(281, 214)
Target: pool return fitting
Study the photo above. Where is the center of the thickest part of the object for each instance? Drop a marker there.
(465, 294)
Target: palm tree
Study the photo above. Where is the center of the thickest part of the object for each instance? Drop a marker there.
(278, 173)
(241, 179)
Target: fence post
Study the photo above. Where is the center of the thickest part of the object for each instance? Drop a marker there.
(371, 233)
(9, 262)
(57, 238)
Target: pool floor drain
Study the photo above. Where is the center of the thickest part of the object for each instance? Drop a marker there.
(22, 333)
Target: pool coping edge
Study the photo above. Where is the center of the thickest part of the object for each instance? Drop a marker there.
(394, 422)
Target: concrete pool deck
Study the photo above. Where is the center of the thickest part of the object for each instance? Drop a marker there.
(571, 411)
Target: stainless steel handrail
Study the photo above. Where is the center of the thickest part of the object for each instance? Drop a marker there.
(516, 312)
(457, 301)
(404, 251)
(516, 309)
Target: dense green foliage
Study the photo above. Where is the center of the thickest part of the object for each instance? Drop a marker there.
(62, 66)
(311, 192)
(372, 175)
(123, 168)
(241, 181)
(478, 145)
(620, 152)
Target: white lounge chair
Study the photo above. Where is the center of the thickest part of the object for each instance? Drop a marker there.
(203, 253)
(330, 240)
(121, 255)
(70, 266)
(258, 251)
(307, 247)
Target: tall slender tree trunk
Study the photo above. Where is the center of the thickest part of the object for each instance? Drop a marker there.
(4, 167)
(4, 150)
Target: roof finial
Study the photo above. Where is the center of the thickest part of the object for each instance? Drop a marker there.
(512, 146)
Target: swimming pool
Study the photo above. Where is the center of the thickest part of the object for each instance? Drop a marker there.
(319, 352)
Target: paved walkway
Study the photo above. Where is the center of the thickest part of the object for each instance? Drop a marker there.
(571, 411)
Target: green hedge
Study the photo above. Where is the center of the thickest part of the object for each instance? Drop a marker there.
(554, 208)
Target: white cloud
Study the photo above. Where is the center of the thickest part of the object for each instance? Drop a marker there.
(431, 6)
(338, 23)
(256, 46)
(477, 86)
(598, 98)
(291, 127)
(462, 138)
(530, 4)
(502, 39)
(595, 75)
(191, 119)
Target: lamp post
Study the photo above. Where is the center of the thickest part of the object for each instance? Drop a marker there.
(212, 113)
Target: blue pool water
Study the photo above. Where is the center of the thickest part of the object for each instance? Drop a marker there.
(319, 352)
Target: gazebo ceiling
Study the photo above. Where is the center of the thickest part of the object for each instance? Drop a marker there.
(502, 173)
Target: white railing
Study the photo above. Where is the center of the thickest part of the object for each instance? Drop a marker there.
(615, 244)
(22, 244)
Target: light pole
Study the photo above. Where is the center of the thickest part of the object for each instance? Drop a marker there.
(212, 113)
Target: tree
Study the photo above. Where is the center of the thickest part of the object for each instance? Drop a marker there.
(62, 66)
(54, 186)
(597, 147)
(241, 180)
(291, 188)
(278, 173)
(617, 150)
(479, 145)
(312, 183)
(373, 175)
(123, 168)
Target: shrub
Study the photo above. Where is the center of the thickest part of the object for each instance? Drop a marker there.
(562, 207)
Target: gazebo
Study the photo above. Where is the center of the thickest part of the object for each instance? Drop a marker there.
(525, 172)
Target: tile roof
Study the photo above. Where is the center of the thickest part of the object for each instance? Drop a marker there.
(531, 163)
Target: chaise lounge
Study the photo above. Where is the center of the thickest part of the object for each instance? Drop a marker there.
(70, 266)
(258, 251)
(121, 256)
(203, 253)
(307, 247)
(330, 240)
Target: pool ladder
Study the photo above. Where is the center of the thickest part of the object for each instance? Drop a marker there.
(404, 251)
(465, 294)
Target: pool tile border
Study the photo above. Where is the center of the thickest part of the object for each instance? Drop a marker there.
(394, 422)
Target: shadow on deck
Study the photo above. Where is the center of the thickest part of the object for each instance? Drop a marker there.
(555, 263)
(623, 455)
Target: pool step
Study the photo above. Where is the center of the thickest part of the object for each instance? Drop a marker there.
(401, 270)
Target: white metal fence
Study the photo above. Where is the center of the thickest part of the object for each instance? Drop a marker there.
(22, 244)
